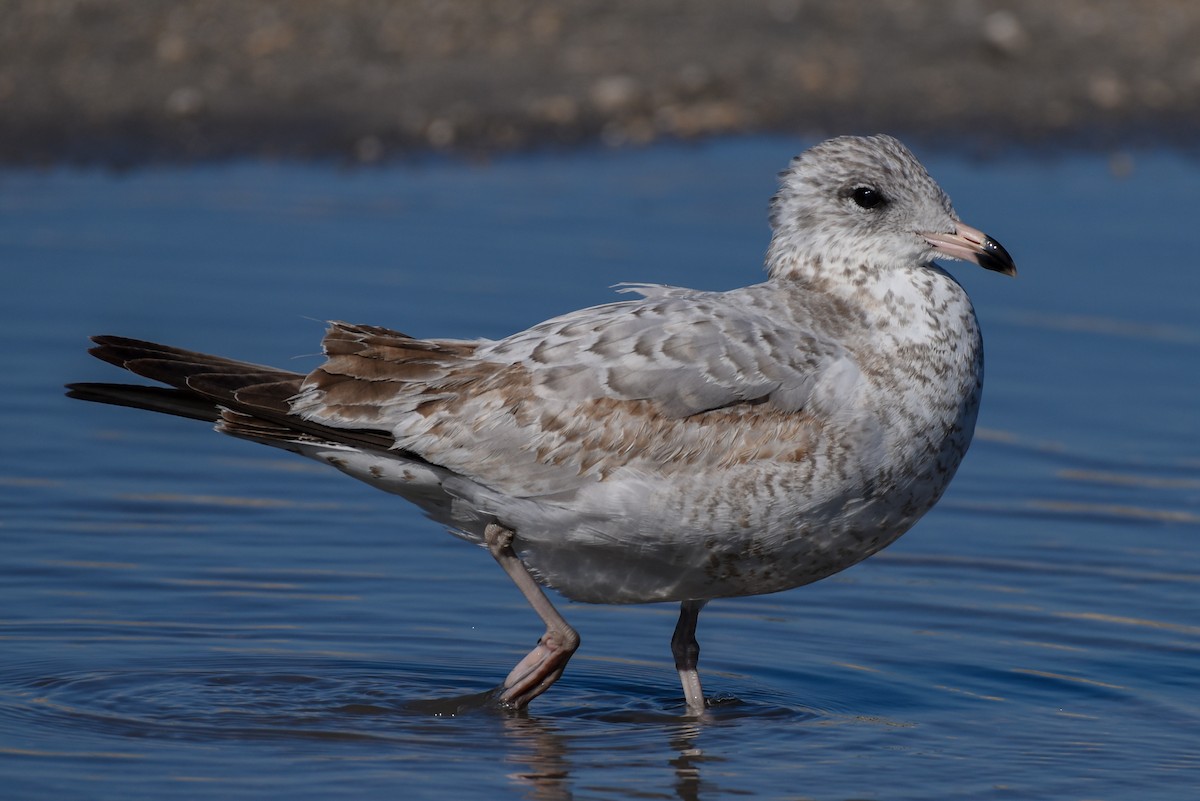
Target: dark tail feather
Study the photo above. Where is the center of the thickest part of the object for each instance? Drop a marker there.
(246, 400)
(174, 366)
(199, 381)
(155, 399)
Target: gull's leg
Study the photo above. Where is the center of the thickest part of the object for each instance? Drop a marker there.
(687, 653)
(534, 674)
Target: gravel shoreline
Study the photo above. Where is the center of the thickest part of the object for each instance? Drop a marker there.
(137, 81)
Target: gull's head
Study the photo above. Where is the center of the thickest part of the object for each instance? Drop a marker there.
(866, 202)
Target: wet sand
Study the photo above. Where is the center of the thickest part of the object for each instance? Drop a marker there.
(98, 81)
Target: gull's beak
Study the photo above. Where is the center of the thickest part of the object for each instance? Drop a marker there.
(971, 244)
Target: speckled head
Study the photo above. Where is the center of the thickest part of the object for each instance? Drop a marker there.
(867, 202)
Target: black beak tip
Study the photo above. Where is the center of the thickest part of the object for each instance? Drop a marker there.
(994, 257)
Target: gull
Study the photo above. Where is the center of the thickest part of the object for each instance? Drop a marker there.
(681, 445)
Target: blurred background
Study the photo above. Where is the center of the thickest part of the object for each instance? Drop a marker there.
(137, 80)
(187, 616)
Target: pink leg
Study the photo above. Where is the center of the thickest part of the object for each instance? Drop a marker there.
(534, 674)
(687, 654)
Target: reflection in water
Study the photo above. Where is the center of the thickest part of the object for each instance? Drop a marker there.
(552, 757)
(688, 783)
(542, 750)
(548, 774)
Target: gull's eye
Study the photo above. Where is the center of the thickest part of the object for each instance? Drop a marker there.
(867, 198)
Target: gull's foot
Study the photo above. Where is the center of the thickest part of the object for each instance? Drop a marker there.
(693, 694)
(540, 668)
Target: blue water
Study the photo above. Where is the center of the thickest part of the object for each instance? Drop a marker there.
(184, 615)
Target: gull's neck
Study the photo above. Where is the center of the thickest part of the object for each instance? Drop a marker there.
(893, 298)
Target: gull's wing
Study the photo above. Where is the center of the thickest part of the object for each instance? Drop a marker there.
(651, 384)
(685, 351)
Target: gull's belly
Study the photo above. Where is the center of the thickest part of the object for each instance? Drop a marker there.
(757, 530)
(765, 549)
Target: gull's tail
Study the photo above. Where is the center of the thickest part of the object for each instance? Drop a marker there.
(243, 399)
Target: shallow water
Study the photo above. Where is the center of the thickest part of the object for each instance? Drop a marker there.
(189, 616)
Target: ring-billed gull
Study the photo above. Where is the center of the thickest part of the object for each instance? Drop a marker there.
(679, 446)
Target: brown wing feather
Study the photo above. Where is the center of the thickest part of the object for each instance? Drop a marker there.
(369, 369)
